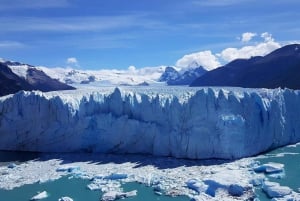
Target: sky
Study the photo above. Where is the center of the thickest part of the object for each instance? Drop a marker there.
(117, 34)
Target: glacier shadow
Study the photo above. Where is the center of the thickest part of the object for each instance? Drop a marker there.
(17, 157)
(160, 162)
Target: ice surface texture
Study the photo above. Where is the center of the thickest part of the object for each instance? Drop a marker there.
(196, 123)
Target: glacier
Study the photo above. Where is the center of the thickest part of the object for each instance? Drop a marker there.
(194, 123)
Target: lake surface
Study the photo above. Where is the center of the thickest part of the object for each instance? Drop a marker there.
(290, 157)
(76, 188)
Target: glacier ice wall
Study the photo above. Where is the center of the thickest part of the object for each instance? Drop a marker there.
(204, 123)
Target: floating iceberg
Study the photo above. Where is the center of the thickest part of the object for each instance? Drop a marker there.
(195, 123)
(114, 195)
(65, 199)
(40, 196)
(273, 189)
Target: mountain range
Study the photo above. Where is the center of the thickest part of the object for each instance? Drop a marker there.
(33, 80)
(280, 68)
(184, 77)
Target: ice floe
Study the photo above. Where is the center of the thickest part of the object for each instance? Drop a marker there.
(65, 199)
(167, 176)
(270, 168)
(274, 190)
(40, 195)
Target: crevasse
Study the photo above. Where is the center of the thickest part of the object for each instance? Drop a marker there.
(206, 123)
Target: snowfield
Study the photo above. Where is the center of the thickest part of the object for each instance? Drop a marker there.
(194, 123)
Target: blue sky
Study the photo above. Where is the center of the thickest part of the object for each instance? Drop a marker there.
(98, 34)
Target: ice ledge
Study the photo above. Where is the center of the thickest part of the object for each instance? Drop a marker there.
(196, 123)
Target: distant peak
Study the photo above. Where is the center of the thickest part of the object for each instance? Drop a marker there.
(193, 64)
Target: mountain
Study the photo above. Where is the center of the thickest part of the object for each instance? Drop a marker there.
(10, 82)
(31, 79)
(185, 77)
(280, 68)
(170, 73)
(40, 81)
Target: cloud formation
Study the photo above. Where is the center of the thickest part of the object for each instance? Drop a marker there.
(247, 36)
(210, 61)
(260, 49)
(72, 61)
(205, 58)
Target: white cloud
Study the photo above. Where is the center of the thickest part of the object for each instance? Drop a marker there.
(211, 60)
(247, 36)
(267, 36)
(205, 58)
(260, 49)
(72, 61)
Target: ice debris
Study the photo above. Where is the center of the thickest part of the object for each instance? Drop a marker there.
(12, 165)
(114, 195)
(65, 199)
(274, 190)
(270, 168)
(40, 195)
(116, 176)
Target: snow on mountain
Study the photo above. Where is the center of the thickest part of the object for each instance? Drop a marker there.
(170, 74)
(196, 123)
(131, 76)
(106, 76)
(183, 76)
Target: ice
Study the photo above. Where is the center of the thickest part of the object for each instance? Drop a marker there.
(235, 190)
(273, 189)
(195, 123)
(65, 199)
(114, 195)
(167, 176)
(196, 185)
(291, 197)
(39, 196)
(116, 176)
(12, 165)
(270, 168)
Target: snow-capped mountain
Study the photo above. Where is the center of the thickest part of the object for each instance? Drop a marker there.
(184, 76)
(29, 79)
(170, 74)
(280, 68)
(71, 76)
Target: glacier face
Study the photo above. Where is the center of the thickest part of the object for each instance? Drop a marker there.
(195, 123)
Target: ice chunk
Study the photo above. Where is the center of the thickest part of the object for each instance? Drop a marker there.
(291, 197)
(273, 189)
(196, 185)
(270, 168)
(39, 196)
(69, 169)
(116, 176)
(114, 195)
(12, 165)
(65, 199)
(235, 190)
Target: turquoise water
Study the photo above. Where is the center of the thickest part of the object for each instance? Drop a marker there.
(290, 157)
(77, 190)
